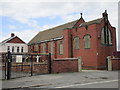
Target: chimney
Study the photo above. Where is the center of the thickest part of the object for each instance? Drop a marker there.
(12, 34)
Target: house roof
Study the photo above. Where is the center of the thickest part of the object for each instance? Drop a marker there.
(58, 31)
(12, 40)
(6, 40)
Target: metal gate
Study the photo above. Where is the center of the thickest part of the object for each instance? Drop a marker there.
(16, 65)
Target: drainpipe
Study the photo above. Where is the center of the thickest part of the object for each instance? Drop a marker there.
(71, 38)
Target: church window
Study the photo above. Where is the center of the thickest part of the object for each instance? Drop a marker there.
(61, 48)
(87, 41)
(51, 47)
(106, 37)
(77, 43)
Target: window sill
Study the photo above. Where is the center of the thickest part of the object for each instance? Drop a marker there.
(105, 45)
(86, 48)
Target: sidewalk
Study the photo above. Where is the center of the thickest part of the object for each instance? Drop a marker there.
(49, 80)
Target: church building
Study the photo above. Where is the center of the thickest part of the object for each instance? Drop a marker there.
(92, 41)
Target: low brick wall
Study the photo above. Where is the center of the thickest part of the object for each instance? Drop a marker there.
(57, 65)
(65, 65)
(26, 67)
(116, 64)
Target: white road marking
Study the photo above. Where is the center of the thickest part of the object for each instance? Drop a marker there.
(87, 84)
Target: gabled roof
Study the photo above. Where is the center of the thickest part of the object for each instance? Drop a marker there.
(58, 31)
(6, 40)
(96, 21)
(11, 39)
(52, 32)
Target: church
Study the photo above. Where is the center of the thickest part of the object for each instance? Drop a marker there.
(92, 41)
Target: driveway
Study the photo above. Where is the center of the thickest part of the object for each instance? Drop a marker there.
(84, 79)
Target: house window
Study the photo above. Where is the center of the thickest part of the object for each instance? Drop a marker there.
(12, 48)
(8, 48)
(61, 48)
(76, 43)
(17, 49)
(22, 49)
(51, 47)
(106, 37)
(87, 41)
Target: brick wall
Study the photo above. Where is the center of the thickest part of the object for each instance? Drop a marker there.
(39, 68)
(116, 64)
(65, 65)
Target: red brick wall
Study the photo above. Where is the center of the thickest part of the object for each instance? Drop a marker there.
(64, 65)
(116, 64)
(67, 43)
(93, 58)
(89, 56)
(104, 51)
(39, 68)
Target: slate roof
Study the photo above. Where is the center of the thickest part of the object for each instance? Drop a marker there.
(52, 32)
(58, 31)
(97, 21)
(6, 40)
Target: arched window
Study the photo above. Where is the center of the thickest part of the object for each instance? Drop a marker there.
(51, 47)
(87, 41)
(103, 36)
(76, 43)
(106, 36)
(110, 37)
(61, 48)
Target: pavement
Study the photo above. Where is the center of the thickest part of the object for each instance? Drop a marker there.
(83, 79)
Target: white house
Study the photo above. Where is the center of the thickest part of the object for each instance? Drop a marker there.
(13, 44)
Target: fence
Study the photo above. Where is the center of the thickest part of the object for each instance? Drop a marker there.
(19, 65)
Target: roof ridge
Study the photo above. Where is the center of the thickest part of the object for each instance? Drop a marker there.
(92, 21)
(59, 25)
(8, 39)
(57, 31)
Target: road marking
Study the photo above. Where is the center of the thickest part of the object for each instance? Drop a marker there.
(87, 84)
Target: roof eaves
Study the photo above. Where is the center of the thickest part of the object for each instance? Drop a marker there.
(5, 41)
(43, 41)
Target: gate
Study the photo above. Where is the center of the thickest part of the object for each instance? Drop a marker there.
(16, 65)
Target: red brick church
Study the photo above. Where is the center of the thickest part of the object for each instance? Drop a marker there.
(93, 41)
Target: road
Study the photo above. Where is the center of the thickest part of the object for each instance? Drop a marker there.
(84, 79)
(101, 84)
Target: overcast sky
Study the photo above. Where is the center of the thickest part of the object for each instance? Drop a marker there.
(26, 18)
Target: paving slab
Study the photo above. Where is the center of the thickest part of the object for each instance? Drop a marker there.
(61, 79)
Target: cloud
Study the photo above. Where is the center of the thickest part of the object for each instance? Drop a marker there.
(25, 11)
(25, 34)
(12, 27)
(59, 1)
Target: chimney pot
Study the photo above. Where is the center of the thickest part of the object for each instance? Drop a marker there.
(12, 34)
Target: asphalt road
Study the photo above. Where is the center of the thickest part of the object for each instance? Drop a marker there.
(101, 84)
(84, 79)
